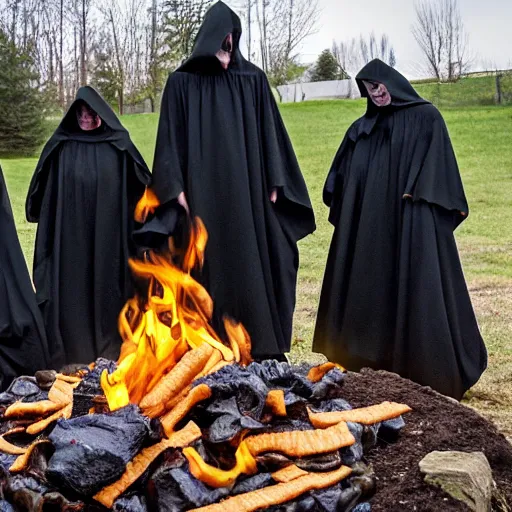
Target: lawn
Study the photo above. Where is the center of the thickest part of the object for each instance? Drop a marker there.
(482, 141)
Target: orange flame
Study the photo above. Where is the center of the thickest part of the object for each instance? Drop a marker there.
(158, 330)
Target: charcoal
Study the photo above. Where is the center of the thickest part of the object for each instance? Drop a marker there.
(369, 437)
(336, 498)
(18, 482)
(330, 383)
(175, 489)
(305, 503)
(223, 429)
(362, 507)
(23, 388)
(45, 378)
(5, 506)
(84, 470)
(222, 407)
(252, 483)
(348, 498)
(319, 463)
(335, 404)
(121, 433)
(248, 389)
(38, 460)
(133, 503)
(272, 461)
(6, 460)
(90, 384)
(56, 502)
(351, 454)
(282, 376)
(390, 429)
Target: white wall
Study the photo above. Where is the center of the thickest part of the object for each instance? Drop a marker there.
(291, 93)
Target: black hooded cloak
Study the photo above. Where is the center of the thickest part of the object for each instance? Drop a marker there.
(23, 346)
(222, 141)
(394, 295)
(83, 194)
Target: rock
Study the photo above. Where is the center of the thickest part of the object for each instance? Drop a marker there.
(464, 476)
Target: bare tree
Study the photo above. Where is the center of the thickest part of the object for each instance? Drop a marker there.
(283, 25)
(439, 32)
(355, 53)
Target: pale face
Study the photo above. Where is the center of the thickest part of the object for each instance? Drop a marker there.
(224, 54)
(87, 119)
(378, 93)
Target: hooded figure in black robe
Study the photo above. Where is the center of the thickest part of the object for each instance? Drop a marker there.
(223, 151)
(23, 346)
(83, 195)
(394, 296)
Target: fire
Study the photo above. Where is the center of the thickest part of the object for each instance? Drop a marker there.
(159, 329)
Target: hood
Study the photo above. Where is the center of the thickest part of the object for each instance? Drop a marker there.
(219, 21)
(402, 92)
(90, 96)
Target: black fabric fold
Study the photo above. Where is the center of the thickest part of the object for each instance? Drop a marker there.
(23, 344)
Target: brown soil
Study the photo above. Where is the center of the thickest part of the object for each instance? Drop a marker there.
(436, 423)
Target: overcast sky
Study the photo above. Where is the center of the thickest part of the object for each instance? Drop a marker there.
(488, 23)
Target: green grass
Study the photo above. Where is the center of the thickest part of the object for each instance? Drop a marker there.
(482, 141)
(480, 90)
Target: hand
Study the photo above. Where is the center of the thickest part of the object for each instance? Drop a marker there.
(273, 195)
(183, 201)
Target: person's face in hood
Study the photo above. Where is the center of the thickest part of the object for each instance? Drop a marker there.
(224, 54)
(378, 93)
(87, 118)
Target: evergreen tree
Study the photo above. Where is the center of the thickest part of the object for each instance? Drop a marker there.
(22, 125)
(326, 68)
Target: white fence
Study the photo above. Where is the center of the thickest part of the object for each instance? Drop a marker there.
(334, 89)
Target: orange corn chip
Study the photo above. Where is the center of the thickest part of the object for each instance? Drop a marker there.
(134, 469)
(219, 366)
(302, 443)
(175, 415)
(61, 392)
(365, 415)
(70, 379)
(278, 494)
(65, 412)
(275, 402)
(40, 408)
(21, 463)
(215, 359)
(288, 474)
(12, 449)
(14, 430)
(153, 404)
(317, 372)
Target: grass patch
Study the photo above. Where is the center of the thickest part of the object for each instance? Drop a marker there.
(481, 138)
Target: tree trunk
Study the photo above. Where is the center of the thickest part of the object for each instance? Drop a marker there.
(249, 36)
(153, 64)
(83, 62)
(61, 56)
(119, 65)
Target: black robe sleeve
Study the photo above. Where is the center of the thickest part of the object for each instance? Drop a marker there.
(435, 178)
(170, 162)
(282, 168)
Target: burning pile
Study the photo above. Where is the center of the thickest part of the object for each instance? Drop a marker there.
(184, 421)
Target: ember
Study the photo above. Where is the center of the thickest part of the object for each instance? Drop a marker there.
(188, 422)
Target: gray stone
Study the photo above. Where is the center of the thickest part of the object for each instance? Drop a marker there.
(464, 476)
